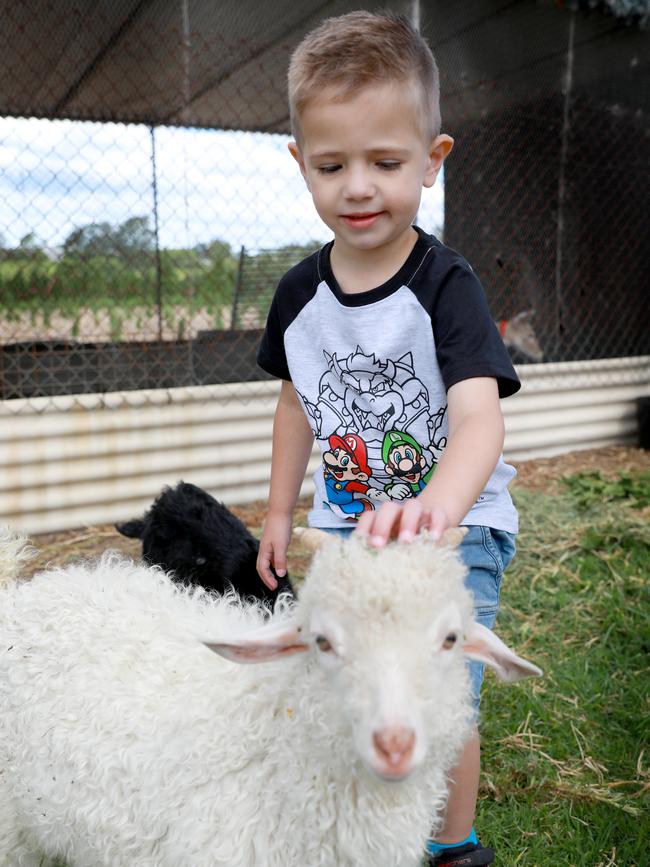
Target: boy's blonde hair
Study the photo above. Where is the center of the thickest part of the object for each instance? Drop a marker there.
(352, 51)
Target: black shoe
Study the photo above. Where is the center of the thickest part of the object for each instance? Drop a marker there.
(471, 855)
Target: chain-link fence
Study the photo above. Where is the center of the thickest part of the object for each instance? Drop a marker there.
(148, 203)
(547, 192)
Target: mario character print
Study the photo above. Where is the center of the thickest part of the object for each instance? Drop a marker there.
(346, 472)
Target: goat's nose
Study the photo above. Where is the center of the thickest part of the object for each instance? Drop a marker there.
(394, 744)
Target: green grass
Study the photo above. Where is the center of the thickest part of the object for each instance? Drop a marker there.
(565, 775)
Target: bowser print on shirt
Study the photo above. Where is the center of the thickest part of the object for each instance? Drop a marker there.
(379, 435)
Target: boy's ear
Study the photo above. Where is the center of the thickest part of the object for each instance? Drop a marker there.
(294, 150)
(438, 152)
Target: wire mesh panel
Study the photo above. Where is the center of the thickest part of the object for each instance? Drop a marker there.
(547, 191)
(139, 290)
(148, 204)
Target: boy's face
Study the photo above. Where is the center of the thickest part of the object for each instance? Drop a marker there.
(365, 160)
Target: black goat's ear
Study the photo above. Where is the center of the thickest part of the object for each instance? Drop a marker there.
(133, 529)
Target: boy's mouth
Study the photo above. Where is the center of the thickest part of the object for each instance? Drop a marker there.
(361, 221)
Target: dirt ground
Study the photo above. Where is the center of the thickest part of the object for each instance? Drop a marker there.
(542, 474)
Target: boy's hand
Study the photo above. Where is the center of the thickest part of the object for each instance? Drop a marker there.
(402, 521)
(273, 548)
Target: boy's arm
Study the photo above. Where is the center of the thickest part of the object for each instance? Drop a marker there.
(475, 442)
(292, 444)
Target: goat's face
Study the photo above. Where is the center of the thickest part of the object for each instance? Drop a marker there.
(520, 335)
(389, 634)
(391, 679)
(189, 533)
(180, 549)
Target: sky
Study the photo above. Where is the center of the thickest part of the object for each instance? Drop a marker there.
(239, 187)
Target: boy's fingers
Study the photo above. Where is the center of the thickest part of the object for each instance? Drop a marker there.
(269, 578)
(385, 520)
(412, 520)
(280, 565)
(406, 519)
(264, 567)
(416, 518)
(438, 522)
(364, 524)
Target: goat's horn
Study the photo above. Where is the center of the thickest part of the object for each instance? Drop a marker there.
(452, 537)
(311, 537)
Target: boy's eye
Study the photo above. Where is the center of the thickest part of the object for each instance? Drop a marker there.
(329, 169)
(389, 165)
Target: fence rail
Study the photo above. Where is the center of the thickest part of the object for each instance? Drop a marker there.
(72, 461)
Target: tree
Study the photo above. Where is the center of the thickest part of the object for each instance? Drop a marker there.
(29, 248)
(90, 240)
(134, 236)
(127, 239)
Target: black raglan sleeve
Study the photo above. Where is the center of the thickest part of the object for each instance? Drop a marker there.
(467, 340)
(294, 291)
(271, 356)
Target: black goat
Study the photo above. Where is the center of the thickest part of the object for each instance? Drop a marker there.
(190, 534)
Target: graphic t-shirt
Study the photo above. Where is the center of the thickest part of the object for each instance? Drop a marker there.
(372, 370)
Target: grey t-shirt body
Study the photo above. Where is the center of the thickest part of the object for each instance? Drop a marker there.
(372, 370)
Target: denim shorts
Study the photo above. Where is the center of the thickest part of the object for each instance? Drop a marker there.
(486, 553)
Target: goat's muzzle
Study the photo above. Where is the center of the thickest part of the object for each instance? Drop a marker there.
(394, 749)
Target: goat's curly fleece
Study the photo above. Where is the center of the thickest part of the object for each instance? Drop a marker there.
(14, 553)
(125, 742)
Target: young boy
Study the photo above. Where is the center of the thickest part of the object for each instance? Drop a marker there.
(384, 343)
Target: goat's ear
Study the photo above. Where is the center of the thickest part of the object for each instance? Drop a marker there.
(482, 645)
(133, 529)
(271, 641)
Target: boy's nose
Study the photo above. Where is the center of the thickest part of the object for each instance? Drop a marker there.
(358, 184)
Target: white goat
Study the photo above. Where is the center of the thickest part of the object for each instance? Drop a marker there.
(125, 743)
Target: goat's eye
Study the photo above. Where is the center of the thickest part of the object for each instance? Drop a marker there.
(449, 641)
(323, 644)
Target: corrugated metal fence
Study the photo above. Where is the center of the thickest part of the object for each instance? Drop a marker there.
(81, 460)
